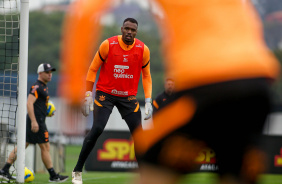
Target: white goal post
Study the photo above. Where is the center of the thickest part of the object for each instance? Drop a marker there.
(23, 69)
(14, 23)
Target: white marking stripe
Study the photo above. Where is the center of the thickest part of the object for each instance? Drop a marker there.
(122, 66)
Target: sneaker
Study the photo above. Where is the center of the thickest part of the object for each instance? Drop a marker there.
(76, 177)
(6, 175)
(58, 178)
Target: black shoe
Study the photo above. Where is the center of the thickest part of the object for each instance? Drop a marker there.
(58, 178)
(6, 175)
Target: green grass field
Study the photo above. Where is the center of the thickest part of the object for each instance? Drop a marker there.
(72, 153)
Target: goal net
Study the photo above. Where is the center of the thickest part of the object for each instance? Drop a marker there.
(9, 66)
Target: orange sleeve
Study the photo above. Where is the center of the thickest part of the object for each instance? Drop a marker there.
(89, 85)
(146, 74)
(146, 56)
(155, 104)
(100, 57)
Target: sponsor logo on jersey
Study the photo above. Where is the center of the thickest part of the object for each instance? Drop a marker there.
(123, 76)
(116, 92)
(119, 72)
(122, 66)
(114, 42)
(139, 45)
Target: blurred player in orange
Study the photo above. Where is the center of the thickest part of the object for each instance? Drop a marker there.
(222, 71)
(122, 58)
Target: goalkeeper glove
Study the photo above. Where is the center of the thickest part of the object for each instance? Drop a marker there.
(88, 104)
(148, 108)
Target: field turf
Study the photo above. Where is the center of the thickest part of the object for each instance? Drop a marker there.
(72, 153)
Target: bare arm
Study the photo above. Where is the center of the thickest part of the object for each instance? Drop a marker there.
(30, 110)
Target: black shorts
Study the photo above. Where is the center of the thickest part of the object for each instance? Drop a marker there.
(227, 117)
(125, 105)
(42, 136)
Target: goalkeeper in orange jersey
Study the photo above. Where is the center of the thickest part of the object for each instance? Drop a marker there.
(122, 58)
(223, 72)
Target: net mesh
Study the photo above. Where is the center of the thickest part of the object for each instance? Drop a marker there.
(9, 64)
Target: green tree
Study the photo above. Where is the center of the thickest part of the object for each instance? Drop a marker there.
(44, 39)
